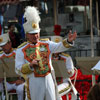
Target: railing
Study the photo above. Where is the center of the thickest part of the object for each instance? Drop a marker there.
(83, 53)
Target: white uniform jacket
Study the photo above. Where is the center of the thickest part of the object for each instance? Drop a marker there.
(67, 85)
(19, 88)
(33, 80)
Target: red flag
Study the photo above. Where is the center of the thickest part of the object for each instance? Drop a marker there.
(57, 29)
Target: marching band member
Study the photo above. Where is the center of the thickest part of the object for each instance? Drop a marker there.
(64, 83)
(33, 59)
(6, 53)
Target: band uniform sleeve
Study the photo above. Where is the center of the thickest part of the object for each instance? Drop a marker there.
(69, 65)
(20, 66)
(59, 47)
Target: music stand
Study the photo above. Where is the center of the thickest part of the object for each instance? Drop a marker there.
(7, 69)
(7, 65)
(96, 68)
(60, 68)
(86, 63)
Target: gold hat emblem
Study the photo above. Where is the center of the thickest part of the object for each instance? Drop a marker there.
(34, 25)
(57, 40)
(1, 39)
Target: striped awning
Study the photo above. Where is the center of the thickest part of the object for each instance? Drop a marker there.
(11, 1)
(83, 2)
(8, 1)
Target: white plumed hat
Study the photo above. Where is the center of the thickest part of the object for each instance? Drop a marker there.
(32, 20)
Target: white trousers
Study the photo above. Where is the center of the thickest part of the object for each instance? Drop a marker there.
(19, 89)
(42, 88)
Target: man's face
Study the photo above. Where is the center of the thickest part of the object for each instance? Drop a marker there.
(33, 38)
(12, 28)
(7, 47)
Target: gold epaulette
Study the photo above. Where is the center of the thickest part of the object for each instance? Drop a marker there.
(24, 43)
(44, 39)
(67, 45)
(65, 54)
(1, 52)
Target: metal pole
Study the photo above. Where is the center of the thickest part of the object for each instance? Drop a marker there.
(92, 46)
(55, 11)
(5, 85)
(97, 17)
(91, 33)
(85, 15)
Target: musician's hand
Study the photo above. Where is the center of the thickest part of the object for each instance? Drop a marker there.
(18, 82)
(72, 37)
(70, 72)
(34, 63)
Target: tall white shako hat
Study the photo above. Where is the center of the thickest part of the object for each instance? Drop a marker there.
(56, 38)
(4, 38)
(32, 20)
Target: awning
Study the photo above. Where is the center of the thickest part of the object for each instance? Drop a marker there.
(8, 1)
